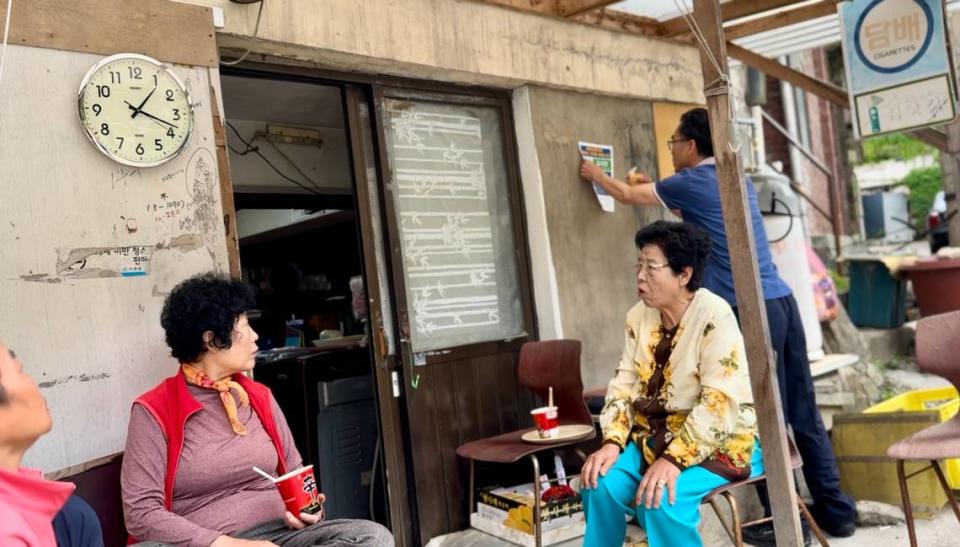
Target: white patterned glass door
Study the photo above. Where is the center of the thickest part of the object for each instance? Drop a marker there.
(456, 231)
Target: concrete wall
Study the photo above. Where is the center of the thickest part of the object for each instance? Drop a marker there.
(91, 247)
(464, 41)
(592, 251)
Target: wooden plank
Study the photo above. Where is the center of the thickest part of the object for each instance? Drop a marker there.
(452, 484)
(619, 21)
(824, 90)
(931, 136)
(546, 7)
(731, 10)
(226, 183)
(569, 8)
(746, 277)
(950, 163)
(780, 19)
(111, 26)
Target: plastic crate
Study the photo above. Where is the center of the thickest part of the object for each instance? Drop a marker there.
(860, 442)
(945, 401)
(876, 298)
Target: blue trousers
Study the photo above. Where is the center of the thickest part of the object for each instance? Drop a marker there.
(831, 506)
(669, 525)
(77, 525)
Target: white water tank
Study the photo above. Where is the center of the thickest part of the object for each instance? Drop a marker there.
(782, 219)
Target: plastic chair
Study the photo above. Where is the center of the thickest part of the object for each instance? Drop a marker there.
(735, 528)
(938, 338)
(556, 364)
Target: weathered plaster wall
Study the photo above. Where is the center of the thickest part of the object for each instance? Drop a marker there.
(467, 42)
(592, 251)
(71, 221)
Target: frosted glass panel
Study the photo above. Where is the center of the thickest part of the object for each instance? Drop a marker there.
(457, 240)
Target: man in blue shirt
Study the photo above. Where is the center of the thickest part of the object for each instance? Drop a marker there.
(693, 193)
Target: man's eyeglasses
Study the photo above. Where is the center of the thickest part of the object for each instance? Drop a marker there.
(646, 268)
(672, 142)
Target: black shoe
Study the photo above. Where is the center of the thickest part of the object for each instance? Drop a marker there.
(762, 535)
(843, 530)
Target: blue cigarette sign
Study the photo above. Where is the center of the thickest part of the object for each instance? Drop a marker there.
(899, 70)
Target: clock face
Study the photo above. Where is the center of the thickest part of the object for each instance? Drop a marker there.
(135, 110)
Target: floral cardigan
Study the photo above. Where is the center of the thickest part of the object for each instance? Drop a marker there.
(704, 390)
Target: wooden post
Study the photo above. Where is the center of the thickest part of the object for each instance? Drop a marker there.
(746, 277)
(950, 165)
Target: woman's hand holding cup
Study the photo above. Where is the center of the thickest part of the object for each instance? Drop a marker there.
(305, 519)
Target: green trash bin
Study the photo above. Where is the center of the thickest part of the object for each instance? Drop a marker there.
(876, 298)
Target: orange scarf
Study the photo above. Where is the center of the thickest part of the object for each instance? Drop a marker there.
(196, 377)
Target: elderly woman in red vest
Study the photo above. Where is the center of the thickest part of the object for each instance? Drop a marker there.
(193, 440)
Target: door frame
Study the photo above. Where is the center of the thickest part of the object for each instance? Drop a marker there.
(388, 369)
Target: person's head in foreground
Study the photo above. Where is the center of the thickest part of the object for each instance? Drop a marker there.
(24, 416)
(691, 142)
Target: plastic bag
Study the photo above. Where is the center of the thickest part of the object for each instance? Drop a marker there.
(824, 291)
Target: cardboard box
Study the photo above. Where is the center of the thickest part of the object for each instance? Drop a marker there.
(513, 507)
(549, 537)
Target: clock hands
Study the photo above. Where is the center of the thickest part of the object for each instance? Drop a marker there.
(139, 109)
(149, 115)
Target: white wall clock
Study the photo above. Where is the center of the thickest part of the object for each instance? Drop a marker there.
(135, 110)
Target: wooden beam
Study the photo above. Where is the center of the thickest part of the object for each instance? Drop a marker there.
(780, 19)
(932, 137)
(569, 8)
(545, 7)
(731, 10)
(746, 278)
(770, 67)
(619, 21)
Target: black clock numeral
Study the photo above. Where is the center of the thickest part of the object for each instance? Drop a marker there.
(104, 129)
(114, 77)
(170, 132)
(169, 93)
(96, 109)
(140, 148)
(157, 145)
(176, 114)
(135, 72)
(103, 91)
(120, 143)
(155, 82)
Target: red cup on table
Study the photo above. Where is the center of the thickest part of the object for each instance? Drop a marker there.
(299, 491)
(546, 421)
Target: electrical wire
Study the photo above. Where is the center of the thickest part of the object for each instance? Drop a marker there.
(256, 30)
(290, 161)
(789, 214)
(6, 34)
(255, 150)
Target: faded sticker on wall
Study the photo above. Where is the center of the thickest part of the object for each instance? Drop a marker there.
(98, 262)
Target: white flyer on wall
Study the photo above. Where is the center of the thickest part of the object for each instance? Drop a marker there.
(602, 156)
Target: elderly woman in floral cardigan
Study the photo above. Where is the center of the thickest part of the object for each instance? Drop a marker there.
(679, 418)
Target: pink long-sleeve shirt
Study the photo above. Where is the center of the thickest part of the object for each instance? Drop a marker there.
(28, 504)
(216, 490)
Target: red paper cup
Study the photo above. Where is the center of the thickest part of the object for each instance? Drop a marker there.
(299, 491)
(545, 418)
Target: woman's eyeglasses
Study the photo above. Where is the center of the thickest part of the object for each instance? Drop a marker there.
(646, 267)
(671, 142)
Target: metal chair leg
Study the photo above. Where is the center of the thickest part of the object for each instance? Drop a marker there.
(907, 508)
(946, 489)
(537, 538)
(471, 494)
(735, 514)
(813, 524)
(726, 527)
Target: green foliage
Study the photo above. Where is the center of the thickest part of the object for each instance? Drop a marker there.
(841, 282)
(895, 146)
(924, 183)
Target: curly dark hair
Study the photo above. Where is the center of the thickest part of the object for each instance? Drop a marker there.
(684, 245)
(204, 302)
(695, 125)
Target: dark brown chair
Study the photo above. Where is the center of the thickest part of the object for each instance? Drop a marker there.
(735, 528)
(556, 364)
(938, 339)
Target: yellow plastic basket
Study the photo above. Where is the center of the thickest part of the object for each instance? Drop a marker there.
(944, 401)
